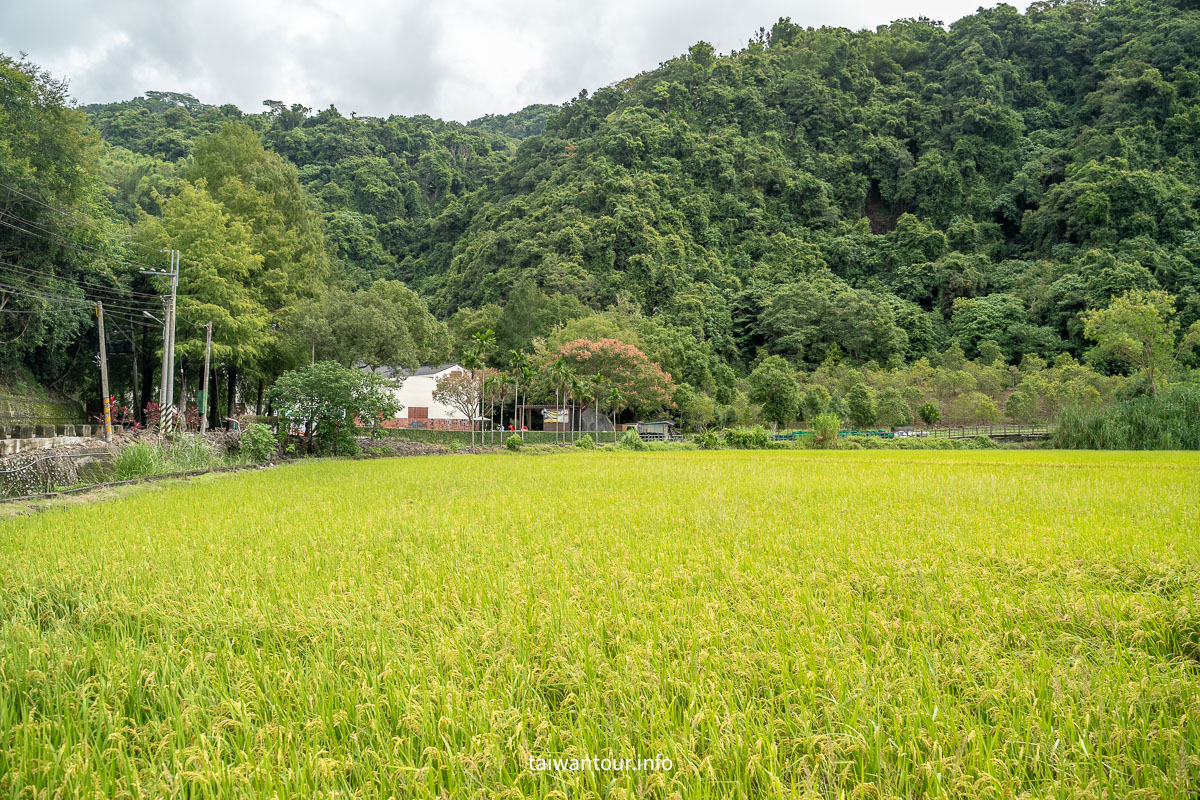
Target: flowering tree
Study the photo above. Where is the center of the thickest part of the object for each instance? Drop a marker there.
(642, 384)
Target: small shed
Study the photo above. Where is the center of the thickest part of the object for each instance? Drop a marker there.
(659, 431)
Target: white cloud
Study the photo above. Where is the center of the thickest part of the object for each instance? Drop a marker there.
(456, 59)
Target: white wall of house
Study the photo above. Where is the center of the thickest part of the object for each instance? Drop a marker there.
(416, 393)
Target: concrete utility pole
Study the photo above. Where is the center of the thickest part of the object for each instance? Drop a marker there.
(171, 349)
(166, 389)
(104, 373)
(204, 383)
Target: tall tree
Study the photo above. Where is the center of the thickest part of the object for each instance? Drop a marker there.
(1140, 329)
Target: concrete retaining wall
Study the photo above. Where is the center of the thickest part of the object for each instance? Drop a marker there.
(23, 438)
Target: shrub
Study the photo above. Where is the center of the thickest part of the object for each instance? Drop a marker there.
(135, 461)
(189, 452)
(907, 443)
(1167, 421)
(513, 444)
(825, 430)
(258, 443)
(708, 440)
(326, 399)
(585, 442)
(755, 438)
(184, 454)
(632, 440)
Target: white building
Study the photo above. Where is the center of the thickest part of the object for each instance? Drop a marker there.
(415, 394)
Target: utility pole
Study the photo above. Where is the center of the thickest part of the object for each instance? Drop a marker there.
(204, 383)
(171, 349)
(166, 389)
(104, 373)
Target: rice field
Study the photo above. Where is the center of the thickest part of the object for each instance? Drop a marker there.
(715, 624)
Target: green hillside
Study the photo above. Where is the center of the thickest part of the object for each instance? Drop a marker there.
(823, 195)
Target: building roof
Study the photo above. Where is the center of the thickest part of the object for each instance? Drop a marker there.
(424, 369)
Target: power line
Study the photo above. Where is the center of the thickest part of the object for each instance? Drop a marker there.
(42, 311)
(46, 229)
(82, 310)
(43, 295)
(84, 280)
(113, 290)
(48, 293)
(65, 212)
(70, 244)
(116, 295)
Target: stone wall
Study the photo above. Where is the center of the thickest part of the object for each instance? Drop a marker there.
(18, 409)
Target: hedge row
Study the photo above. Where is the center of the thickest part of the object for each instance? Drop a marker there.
(464, 437)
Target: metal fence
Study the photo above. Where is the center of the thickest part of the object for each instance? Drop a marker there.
(962, 432)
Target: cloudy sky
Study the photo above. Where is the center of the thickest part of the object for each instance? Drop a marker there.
(456, 59)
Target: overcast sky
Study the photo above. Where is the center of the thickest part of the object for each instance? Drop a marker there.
(456, 59)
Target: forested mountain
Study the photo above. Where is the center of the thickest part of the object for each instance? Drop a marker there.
(820, 194)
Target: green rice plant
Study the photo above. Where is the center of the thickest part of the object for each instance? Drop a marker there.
(776, 624)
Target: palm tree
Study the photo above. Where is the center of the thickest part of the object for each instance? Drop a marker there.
(519, 361)
(481, 344)
(581, 388)
(558, 371)
(473, 363)
(528, 373)
(615, 398)
(597, 393)
(495, 390)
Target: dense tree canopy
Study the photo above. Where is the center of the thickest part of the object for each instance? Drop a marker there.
(972, 193)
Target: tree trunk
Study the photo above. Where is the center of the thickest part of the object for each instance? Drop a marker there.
(147, 375)
(183, 387)
(214, 402)
(231, 388)
(258, 405)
